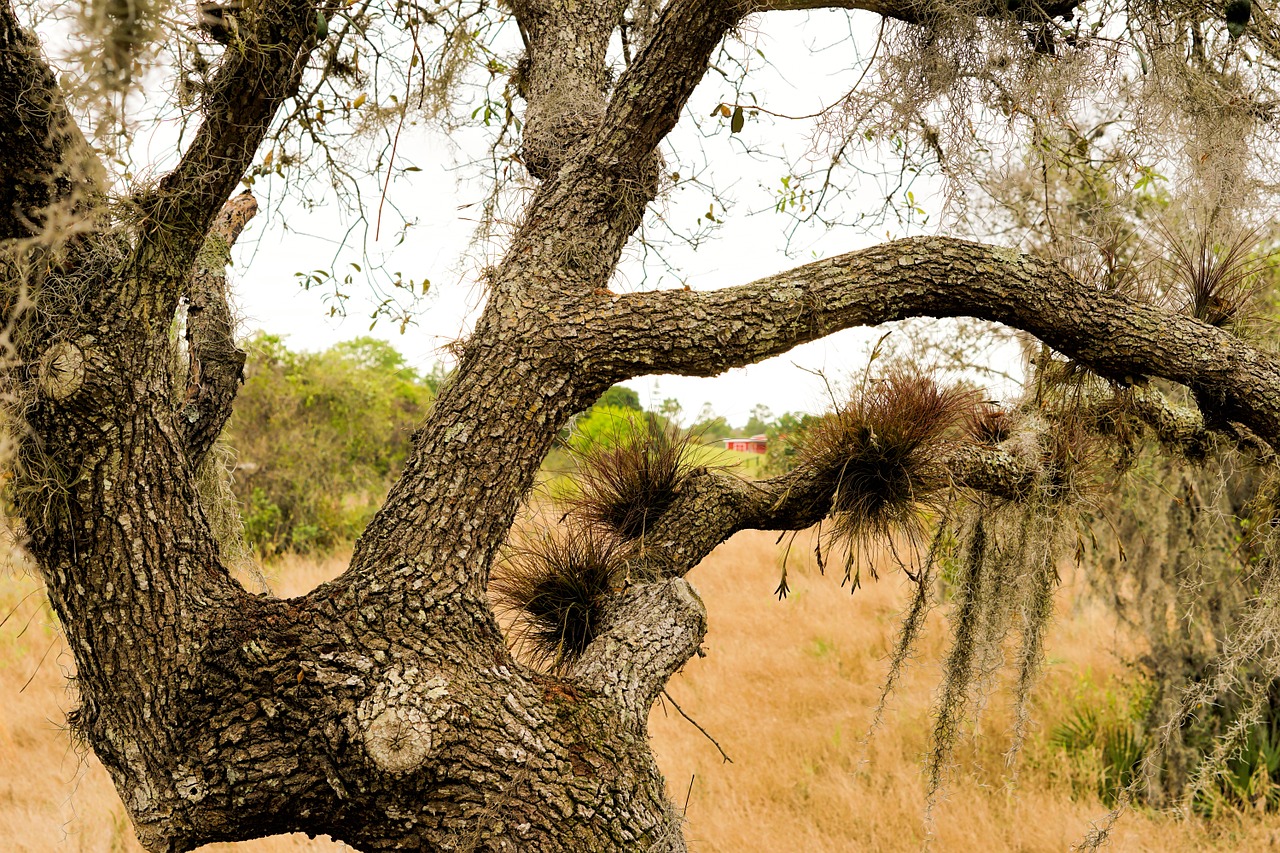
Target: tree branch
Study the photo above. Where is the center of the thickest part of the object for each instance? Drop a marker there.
(654, 89)
(47, 164)
(215, 364)
(920, 11)
(714, 505)
(565, 76)
(703, 334)
(655, 628)
(652, 92)
(258, 72)
(649, 635)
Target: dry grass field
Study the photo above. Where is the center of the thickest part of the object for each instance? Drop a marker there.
(787, 688)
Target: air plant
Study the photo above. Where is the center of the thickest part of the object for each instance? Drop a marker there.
(555, 588)
(881, 457)
(625, 485)
(990, 423)
(1217, 280)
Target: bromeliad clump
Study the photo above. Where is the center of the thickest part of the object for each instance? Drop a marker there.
(990, 424)
(625, 485)
(555, 588)
(1219, 282)
(882, 458)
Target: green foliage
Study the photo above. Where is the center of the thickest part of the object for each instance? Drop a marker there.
(760, 421)
(710, 427)
(785, 434)
(1106, 744)
(1249, 779)
(620, 397)
(319, 439)
(604, 426)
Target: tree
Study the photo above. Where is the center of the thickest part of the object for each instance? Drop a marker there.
(620, 397)
(318, 438)
(384, 708)
(758, 423)
(710, 427)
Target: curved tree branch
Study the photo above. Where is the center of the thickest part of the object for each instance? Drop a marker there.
(920, 11)
(702, 334)
(713, 505)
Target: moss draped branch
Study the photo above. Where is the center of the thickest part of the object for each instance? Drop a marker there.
(258, 72)
(703, 334)
(713, 505)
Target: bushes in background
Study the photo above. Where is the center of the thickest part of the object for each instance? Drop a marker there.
(319, 438)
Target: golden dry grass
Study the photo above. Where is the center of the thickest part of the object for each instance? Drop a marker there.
(787, 688)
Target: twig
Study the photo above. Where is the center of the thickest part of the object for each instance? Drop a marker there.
(395, 142)
(46, 654)
(681, 712)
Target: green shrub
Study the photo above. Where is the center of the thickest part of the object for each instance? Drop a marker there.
(319, 439)
(1106, 744)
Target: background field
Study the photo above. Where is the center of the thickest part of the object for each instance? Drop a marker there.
(787, 688)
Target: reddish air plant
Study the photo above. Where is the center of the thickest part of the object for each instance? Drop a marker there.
(990, 423)
(626, 485)
(881, 456)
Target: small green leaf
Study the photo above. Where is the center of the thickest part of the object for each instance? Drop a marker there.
(738, 120)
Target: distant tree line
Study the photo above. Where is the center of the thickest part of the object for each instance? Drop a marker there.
(318, 438)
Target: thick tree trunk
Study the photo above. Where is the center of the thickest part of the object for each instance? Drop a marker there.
(382, 709)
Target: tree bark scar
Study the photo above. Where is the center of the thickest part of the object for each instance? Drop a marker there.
(61, 371)
(399, 722)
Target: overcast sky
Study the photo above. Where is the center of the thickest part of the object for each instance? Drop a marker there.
(810, 62)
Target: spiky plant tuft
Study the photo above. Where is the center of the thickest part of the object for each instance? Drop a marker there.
(555, 588)
(990, 423)
(1071, 456)
(881, 459)
(1218, 280)
(626, 484)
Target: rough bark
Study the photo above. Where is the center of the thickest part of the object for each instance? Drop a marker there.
(215, 365)
(383, 708)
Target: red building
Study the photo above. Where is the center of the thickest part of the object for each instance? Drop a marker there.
(755, 444)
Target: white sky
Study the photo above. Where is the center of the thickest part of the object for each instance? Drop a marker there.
(812, 61)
